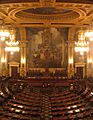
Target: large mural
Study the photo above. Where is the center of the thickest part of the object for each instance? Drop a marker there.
(47, 47)
(47, 10)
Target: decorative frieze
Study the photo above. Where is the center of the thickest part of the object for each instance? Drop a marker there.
(47, 3)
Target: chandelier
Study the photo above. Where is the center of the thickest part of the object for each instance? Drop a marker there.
(7, 36)
(4, 32)
(82, 44)
(89, 31)
(12, 45)
(89, 35)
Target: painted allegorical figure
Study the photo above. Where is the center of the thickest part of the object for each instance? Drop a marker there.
(48, 48)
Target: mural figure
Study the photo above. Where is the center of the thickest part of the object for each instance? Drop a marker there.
(48, 49)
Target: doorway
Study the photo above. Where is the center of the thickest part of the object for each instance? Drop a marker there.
(80, 70)
(13, 69)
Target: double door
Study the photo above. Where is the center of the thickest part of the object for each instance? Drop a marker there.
(13, 69)
(80, 70)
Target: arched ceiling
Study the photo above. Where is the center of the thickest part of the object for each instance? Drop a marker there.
(54, 13)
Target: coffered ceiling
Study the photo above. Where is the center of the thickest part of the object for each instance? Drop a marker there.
(53, 13)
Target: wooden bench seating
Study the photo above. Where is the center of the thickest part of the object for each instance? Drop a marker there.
(27, 102)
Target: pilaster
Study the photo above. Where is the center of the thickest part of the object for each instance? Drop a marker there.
(71, 52)
(22, 52)
(3, 61)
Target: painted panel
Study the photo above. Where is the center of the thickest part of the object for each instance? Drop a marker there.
(47, 47)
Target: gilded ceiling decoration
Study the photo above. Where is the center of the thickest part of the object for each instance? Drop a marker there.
(46, 12)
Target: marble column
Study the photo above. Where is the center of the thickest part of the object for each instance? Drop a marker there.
(71, 52)
(22, 52)
(3, 61)
(89, 65)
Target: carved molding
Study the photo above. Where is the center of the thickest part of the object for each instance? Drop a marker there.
(80, 13)
(47, 3)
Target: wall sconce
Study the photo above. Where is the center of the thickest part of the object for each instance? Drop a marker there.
(3, 60)
(23, 61)
(71, 61)
(89, 60)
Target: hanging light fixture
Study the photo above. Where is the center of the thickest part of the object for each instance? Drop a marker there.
(7, 35)
(89, 31)
(81, 45)
(12, 45)
(4, 33)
